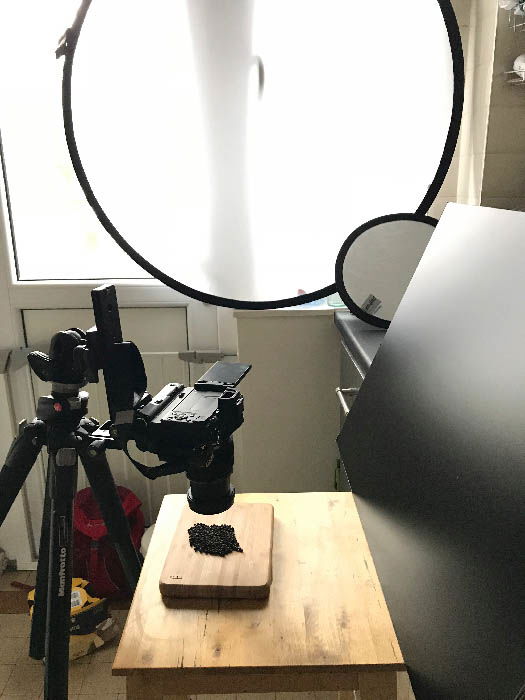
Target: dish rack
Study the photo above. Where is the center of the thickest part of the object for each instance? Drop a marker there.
(518, 79)
(516, 21)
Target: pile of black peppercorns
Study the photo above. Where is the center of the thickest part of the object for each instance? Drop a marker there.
(218, 540)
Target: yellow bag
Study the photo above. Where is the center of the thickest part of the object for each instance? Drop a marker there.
(91, 624)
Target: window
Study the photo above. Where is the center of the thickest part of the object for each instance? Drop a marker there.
(232, 187)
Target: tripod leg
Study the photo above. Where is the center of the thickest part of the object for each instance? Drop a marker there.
(101, 480)
(20, 458)
(38, 621)
(63, 475)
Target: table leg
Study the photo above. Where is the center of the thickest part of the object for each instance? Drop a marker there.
(134, 691)
(378, 685)
(404, 688)
(138, 688)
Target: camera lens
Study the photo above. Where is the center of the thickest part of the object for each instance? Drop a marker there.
(210, 491)
(210, 497)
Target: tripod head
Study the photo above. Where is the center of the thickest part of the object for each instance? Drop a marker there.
(64, 364)
(189, 427)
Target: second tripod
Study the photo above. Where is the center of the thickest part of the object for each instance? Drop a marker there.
(61, 425)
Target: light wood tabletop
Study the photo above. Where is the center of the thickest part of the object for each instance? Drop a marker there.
(324, 627)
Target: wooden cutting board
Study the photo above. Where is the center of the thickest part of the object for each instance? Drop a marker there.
(247, 574)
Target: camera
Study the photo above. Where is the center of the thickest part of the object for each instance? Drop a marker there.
(189, 428)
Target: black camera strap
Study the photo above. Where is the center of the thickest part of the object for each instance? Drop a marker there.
(152, 472)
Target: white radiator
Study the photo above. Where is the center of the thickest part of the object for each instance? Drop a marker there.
(15, 537)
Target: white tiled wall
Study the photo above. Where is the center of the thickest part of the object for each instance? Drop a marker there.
(489, 164)
(504, 170)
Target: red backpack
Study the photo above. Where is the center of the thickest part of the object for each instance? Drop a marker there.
(94, 557)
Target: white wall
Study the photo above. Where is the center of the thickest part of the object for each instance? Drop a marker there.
(291, 409)
(13, 538)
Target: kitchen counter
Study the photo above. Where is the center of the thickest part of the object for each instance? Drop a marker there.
(361, 339)
(287, 312)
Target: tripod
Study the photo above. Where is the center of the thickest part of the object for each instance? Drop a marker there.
(189, 427)
(61, 425)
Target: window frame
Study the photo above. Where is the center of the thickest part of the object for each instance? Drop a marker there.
(208, 328)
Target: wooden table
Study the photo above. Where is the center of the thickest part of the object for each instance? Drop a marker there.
(325, 626)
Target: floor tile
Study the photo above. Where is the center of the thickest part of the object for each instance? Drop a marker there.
(103, 696)
(18, 625)
(82, 660)
(26, 680)
(5, 672)
(105, 653)
(98, 679)
(77, 673)
(13, 649)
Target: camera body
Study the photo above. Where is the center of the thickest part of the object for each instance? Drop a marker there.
(184, 418)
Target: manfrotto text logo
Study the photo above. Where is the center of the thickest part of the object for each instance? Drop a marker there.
(62, 573)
